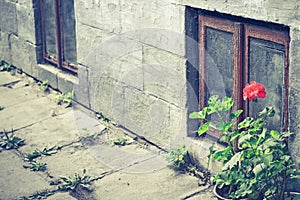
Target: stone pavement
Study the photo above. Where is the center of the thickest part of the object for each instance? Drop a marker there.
(70, 141)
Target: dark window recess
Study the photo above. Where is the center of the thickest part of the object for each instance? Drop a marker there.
(233, 53)
(58, 30)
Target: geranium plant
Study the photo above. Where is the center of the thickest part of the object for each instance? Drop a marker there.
(256, 160)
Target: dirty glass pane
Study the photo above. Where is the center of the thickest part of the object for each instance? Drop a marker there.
(266, 66)
(68, 31)
(218, 64)
(49, 27)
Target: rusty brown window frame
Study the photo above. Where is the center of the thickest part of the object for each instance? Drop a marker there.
(59, 61)
(241, 31)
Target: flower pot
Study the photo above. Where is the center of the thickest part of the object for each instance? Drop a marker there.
(218, 193)
(288, 196)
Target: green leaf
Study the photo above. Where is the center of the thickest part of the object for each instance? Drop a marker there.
(245, 123)
(199, 115)
(274, 133)
(268, 111)
(258, 169)
(203, 128)
(236, 114)
(227, 103)
(224, 126)
(233, 161)
(212, 101)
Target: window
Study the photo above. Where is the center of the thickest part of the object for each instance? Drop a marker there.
(233, 53)
(58, 31)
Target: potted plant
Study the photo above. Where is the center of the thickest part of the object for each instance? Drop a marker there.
(256, 160)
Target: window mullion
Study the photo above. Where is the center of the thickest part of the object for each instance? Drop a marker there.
(58, 34)
(238, 62)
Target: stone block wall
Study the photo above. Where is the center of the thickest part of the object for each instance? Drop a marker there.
(133, 53)
(20, 45)
(139, 60)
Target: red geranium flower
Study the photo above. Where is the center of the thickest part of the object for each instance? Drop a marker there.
(254, 90)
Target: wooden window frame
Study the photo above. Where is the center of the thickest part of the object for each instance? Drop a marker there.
(59, 61)
(241, 31)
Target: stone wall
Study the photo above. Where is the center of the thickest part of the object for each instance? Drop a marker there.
(132, 56)
(141, 70)
(19, 43)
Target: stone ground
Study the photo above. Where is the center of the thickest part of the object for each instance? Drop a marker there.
(137, 170)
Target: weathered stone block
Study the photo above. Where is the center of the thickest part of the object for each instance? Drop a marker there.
(24, 55)
(104, 15)
(8, 17)
(164, 75)
(27, 25)
(48, 72)
(144, 114)
(88, 40)
(66, 82)
(107, 96)
(81, 89)
(134, 15)
(27, 3)
(270, 10)
(127, 69)
(4, 47)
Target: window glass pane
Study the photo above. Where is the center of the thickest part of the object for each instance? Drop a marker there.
(49, 27)
(266, 66)
(68, 31)
(218, 64)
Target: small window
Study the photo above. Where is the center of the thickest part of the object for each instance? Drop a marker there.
(233, 53)
(58, 31)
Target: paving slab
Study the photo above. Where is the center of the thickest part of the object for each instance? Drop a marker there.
(6, 77)
(10, 97)
(55, 131)
(160, 185)
(29, 113)
(74, 159)
(17, 181)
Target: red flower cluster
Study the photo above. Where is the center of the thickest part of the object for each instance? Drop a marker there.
(254, 90)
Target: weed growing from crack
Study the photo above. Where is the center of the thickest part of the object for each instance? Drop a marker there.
(43, 152)
(44, 86)
(10, 142)
(103, 117)
(86, 134)
(180, 160)
(71, 182)
(178, 157)
(65, 98)
(37, 166)
(119, 141)
(8, 68)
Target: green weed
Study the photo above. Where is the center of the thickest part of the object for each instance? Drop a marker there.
(44, 86)
(178, 156)
(43, 152)
(71, 182)
(119, 141)
(10, 141)
(65, 98)
(38, 166)
(8, 68)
